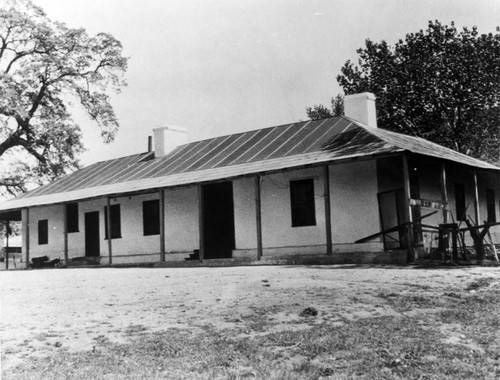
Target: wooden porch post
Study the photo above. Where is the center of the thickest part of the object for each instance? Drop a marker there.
(328, 213)
(444, 192)
(201, 223)
(476, 200)
(108, 226)
(258, 217)
(27, 237)
(65, 231)
(7, 223)
(161, 194)
(407, 208)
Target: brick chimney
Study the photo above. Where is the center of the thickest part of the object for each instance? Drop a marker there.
(167, 138)
(361, 107)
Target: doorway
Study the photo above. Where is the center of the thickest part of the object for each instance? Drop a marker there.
(92, 248)
(391, 207)
(218, 220)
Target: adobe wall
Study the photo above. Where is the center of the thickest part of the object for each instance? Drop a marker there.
(354, 213)
(354, 210)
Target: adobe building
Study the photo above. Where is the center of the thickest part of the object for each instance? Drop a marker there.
(308, 189)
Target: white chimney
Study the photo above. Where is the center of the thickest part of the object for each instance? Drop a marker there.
(361, 107)
(166, 139)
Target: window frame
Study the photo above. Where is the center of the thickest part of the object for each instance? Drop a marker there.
(43, 232)
(302, 203)
(151, 217)
(116, 224)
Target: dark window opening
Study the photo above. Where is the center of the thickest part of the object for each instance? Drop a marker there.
(460, 201)
(72, 217)
(43, 232)
(116, 231)
(151, 217)
(414, 187)
(490, 206)
(302, 203)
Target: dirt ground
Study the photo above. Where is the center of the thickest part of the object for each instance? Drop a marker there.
(46, 310)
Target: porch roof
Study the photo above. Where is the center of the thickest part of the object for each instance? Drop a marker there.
(242, 154)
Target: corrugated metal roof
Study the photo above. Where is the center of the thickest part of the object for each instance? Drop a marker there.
(275, 148)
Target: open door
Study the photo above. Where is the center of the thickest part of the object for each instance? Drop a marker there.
(92, 247)
(218, 220)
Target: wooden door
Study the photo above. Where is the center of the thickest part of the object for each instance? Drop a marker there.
(92, 247)
(218, 220)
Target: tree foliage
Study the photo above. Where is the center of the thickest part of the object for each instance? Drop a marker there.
(319, 111)
(44, 66)
(442, 84)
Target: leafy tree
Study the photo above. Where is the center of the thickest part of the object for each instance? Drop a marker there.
(44, 66)
(319, 111)
(441, 84)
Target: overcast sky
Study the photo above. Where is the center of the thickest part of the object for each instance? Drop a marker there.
(224, 66)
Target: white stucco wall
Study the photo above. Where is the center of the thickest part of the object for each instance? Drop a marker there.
(353, 201)
(54, 248)
(133, 241)
(354, 211)
(277, 230)
(244, 213)
(181, 220)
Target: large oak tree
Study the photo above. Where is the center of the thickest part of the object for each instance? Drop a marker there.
(45, 67)
(442, 84)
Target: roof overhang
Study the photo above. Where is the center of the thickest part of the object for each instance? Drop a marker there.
(191, 178)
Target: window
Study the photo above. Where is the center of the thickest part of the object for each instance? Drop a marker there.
(490, 206)
(151, 217)
(460, 201)
(72, 217)
(116, 231)
(302, 199)
(43, 232)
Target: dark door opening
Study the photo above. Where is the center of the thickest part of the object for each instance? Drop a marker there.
(92, 247)
(391, 207)
(218, 220)
(416, 211)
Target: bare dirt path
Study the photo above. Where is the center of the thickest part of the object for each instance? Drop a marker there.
(44, 310)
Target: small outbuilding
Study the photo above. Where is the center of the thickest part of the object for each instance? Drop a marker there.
(307, 189)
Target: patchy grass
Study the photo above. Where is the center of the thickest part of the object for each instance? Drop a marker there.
(460, 340)
(310, 323)
(399, 348)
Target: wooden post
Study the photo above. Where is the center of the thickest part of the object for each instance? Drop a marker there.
(476, 200)
(161, 194)
(328, 212)
(7, 223)
(27, 237)
(407, 208)
(108, 226)
(444, 193)
(258, 217)
(201, 223)
(65, 231)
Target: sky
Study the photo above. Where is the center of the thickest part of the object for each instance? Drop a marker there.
(218, 67)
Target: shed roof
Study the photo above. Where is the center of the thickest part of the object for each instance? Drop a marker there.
(240, 154)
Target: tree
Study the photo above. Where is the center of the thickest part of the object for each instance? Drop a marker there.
(319, 111)
(44, 66)
(441, 84)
